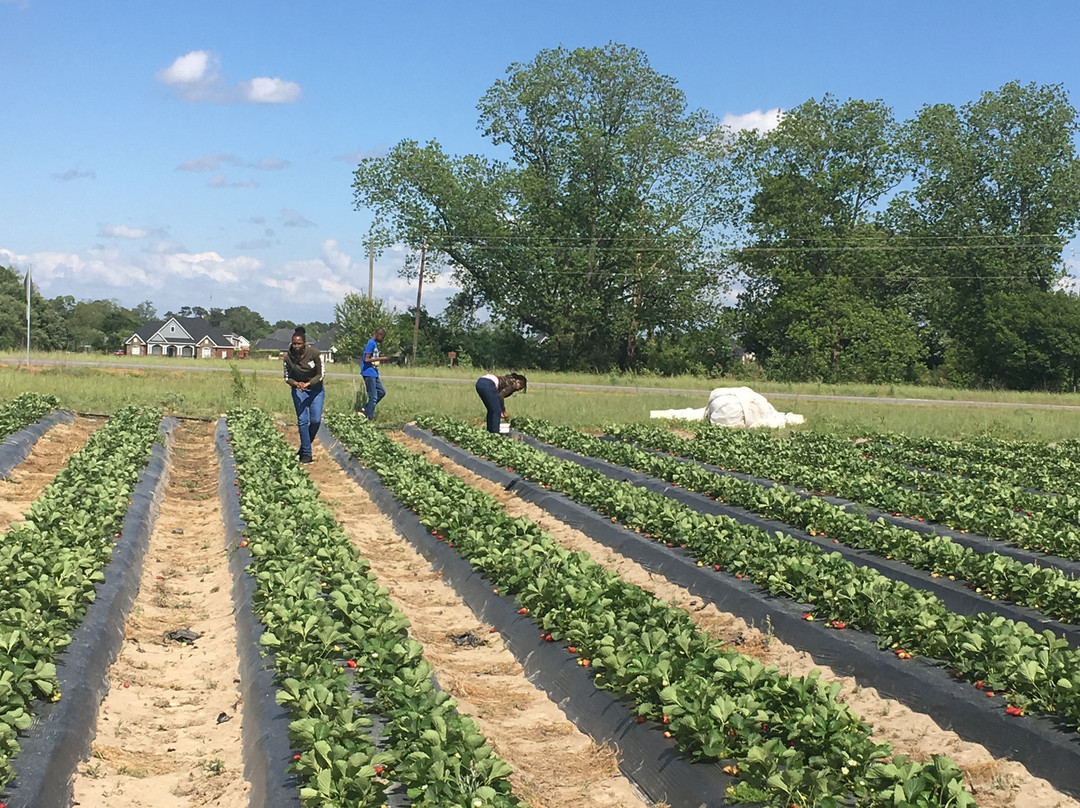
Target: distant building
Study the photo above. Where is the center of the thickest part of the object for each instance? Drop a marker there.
(186, 337)
(276, 344)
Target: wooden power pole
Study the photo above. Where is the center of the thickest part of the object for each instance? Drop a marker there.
(419, 290)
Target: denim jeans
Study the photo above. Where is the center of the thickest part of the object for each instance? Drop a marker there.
(309, 406)
(375, 393)
(489, 394)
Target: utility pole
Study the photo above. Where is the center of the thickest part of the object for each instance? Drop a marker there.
(419, 290)
(29, 286)
(371, 268)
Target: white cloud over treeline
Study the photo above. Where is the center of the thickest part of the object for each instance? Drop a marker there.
(197, 77)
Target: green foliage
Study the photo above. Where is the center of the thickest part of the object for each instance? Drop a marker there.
(596, 234)
(48, 331)
(357, 318)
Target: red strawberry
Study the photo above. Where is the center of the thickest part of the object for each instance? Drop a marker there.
(523, 610)
(1012, 710)
(350, 663)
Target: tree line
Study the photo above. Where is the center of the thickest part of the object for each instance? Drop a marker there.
(613, 227)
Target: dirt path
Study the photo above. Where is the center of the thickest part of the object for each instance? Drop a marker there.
(555, 765)
(47, 459)
(168, 731)
(995, 783)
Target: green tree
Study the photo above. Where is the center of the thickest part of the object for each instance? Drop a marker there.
(598, 229)
(821, 298)
(47, 328)
(245, 322)
(996, 196)
(357, 318)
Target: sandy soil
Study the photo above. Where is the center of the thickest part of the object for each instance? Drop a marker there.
(169, 729)
(995, 783)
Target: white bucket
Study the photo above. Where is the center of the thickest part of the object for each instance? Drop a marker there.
(504, 427)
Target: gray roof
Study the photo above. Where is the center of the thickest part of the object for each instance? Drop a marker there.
(196, 329)
(281, 339)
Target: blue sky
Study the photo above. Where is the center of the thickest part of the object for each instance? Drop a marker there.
(201, 153)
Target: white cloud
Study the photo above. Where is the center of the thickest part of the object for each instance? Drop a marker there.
(270, 91)
(196, 67)
(122, 231)
(197, 77)
(761, 121)
(170, 276)
(209, 162)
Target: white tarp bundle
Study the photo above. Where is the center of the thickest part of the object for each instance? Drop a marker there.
(735, 406)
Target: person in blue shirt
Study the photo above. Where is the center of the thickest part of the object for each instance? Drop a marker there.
(370, 371)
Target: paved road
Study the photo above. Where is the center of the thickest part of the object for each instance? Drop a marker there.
(254, 365)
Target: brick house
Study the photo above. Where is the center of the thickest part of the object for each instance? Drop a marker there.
(186, 337)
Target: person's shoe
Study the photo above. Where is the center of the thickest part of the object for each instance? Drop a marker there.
(305, 458)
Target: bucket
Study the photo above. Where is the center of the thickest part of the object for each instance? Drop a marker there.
(504, 427)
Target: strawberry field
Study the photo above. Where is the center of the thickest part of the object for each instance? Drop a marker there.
(941, 575)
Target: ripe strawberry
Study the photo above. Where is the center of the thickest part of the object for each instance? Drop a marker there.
(379, 769)
(523, 610)
(350, 663)
(1013, 710)
(572, 649)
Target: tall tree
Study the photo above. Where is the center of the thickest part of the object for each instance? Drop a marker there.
(357, 317)
(599, 227)
(47, 328)
(816, 268)
(996, 196)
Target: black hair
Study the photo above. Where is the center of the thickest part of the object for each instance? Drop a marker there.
(519, 377)
(300, 330)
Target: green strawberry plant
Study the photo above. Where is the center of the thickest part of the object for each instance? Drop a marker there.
(23, 410)
(342, 651)
(990, 574)
(792, 741)
(50, 564)
(995, 651)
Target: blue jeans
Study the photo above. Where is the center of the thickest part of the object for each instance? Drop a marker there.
(309, 406)
(489, 394)
(375, 393)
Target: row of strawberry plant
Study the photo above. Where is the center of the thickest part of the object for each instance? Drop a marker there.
(786, 462)
(343, 653)
(23, 410)
(1037, 671)
(1042, 466)
(791, 740)
(1008, 468)
(51, 564)
(834, 452)
(990, 574)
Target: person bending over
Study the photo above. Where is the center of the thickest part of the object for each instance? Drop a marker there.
(494, 390)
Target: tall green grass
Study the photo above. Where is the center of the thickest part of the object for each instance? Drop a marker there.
(207, 388)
